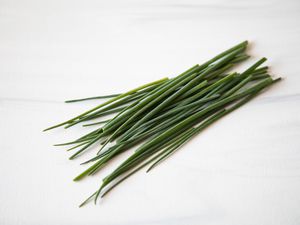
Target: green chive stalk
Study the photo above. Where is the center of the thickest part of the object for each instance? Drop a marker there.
(162, 116)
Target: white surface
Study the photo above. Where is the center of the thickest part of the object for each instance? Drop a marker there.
(243, 170)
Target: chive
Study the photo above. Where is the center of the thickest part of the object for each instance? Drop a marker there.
(92, 98)
(240, 58)
(76, 146)
(100, 114)
(93, 124)
(219, 71)
(108, 102)
(83, 138)
(259, 77)
(105, 96)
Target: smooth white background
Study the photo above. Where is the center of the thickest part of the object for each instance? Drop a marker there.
(245, 169)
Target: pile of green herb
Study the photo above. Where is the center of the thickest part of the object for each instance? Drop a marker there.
(163, 115)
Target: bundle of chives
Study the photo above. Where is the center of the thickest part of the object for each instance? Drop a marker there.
(165, 114)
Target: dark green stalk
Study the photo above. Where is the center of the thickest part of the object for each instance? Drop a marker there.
(83, 138)
(97, 123)
(219, 72)
(92, 98)
(240, 58)
(259, 77)
(99, 114)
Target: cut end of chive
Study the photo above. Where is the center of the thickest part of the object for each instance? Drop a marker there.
(77, 179)
(88, 199)
(52, 127)
(62, 144)
(57, 125)
(80, 176)
(49, 128)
